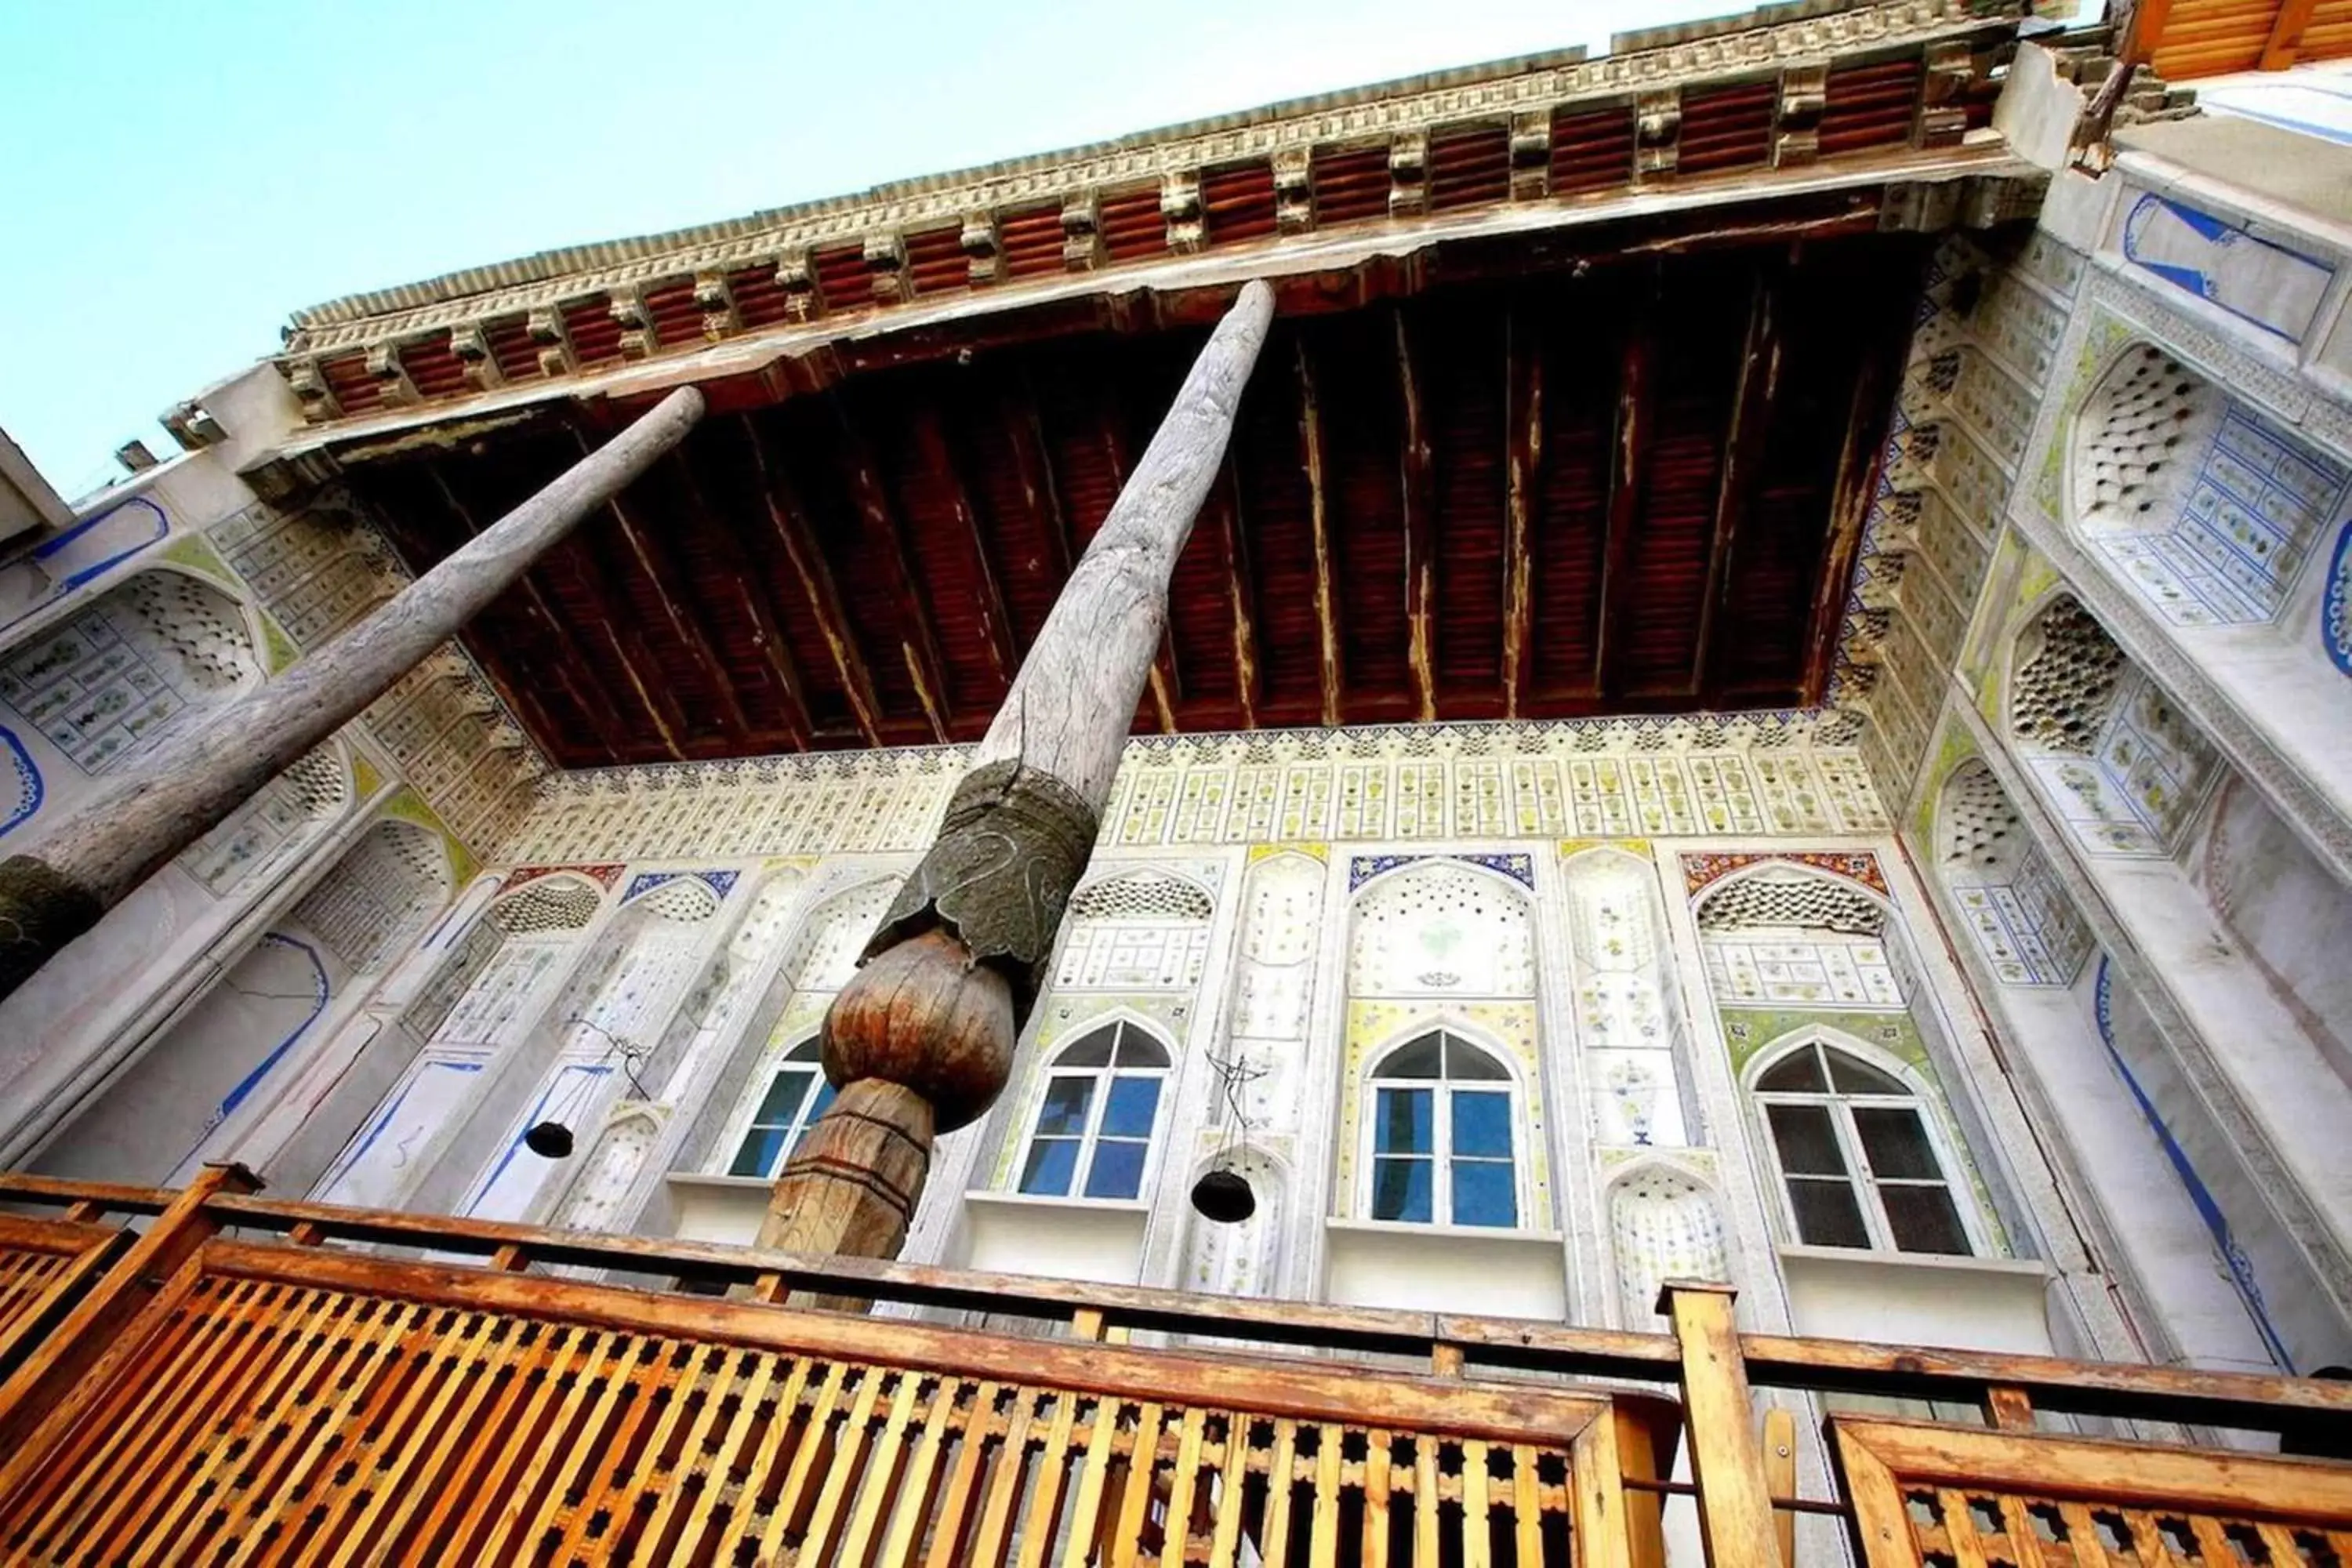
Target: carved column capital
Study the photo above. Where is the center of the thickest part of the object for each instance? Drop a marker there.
(715, 298)
(797, 277)
(885, 268)
(553, 338)
(1797, 121)
(1531, 155)
(470, 347)
(1082, 232)
(1179, 208)
(1657, 133)
(983, 247)
(638, 336)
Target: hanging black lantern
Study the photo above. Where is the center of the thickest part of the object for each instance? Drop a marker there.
(1223, 1196)
(549, 1139)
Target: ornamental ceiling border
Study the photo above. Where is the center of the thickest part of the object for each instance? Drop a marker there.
(547, 277)
(1790, 729)
(1701, 871)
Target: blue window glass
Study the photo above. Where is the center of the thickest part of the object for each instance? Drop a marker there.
(1117, 1171)
(1400, 1122)
(1400, 1190)
(760, 1153)
(1481, 1124)
(796, 1096)
(1485, 1192)
(1127, 1112)
(1051, 1164)
(1064, 1110)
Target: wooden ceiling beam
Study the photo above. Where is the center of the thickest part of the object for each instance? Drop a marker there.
(941, 451)
(1032, 461)
(1850, 497)
(627, 642)
(1327, 612)
(1225, 505)
(1523, 482)
(920, 646)
(653, 557)
(788, 523)
(1165, 683)
(759, 607)
(597, 705)
(2286, 34)
(1417, 478)
(1755, 388)
(1627, 454)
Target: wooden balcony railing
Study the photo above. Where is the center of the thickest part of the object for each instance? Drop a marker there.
(207, 1376)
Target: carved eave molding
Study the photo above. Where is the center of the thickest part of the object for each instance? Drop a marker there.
(450, 313)
(1975, 184)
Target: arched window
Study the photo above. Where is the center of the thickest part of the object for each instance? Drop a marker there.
(797, 1095)
(1855, 1155)
(1442, 1138)
(1093, 1135)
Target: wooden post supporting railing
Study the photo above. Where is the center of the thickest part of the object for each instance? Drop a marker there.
(89, 861)
(1735, 1500)
(46, 1391)
(920, 1041)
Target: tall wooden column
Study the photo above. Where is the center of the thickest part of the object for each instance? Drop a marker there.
(920, 1041)
(91, 860)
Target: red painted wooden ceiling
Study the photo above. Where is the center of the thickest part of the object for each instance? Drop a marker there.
(866, 564)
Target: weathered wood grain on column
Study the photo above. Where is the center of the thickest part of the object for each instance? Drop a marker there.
(92, 860)
(920, 1040)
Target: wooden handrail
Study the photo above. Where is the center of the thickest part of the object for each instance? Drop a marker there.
(1773, 1360)
(2116, 1390)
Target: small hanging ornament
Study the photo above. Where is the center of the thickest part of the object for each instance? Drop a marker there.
(1222, 1195)
(551, 1139)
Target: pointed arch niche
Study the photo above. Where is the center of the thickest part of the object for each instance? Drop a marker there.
(821, 956)
(1666, 1223)
(2115, 758)
(1442, 1063)
(2126, 1119)
(203, 1083)
(596, 1043)
(2201, 504)
(487, 992)
(2137, 790)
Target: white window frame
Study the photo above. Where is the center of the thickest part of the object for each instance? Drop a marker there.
(1097, 1102)
(1860, 1177)
(1441, 1192)
(803, 1052)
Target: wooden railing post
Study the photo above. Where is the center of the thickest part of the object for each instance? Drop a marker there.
(41, 1400)
(1735, 1501)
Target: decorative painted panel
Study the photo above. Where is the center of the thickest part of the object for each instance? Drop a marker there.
(2219, 261)
(1438, 928)
(114, 680)
(1663, 1224)
(21, 790)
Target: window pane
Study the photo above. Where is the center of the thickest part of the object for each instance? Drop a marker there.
(806, 1051)
(1400, 1190)
(1799, 1072)
(1064, 1110)
(1464, 1061)
(1418, 1059)
(785, 1092)
(1895, 1141)
(1094, 1051)
(1052, 1162)
(757, 1157)
(1854, 1076)
(1484, 1193)
(1482, 1123)
(1127, 1112)
(1807, 1144)
(1924, 1220)
(817, 1108)
(1137, 1050)
(1400, 1121)
(1117, 1170)
(1827, 1215)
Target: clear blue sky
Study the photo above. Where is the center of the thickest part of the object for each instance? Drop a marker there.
(178, 178)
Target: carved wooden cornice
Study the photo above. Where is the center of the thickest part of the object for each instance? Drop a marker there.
(451, 310)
